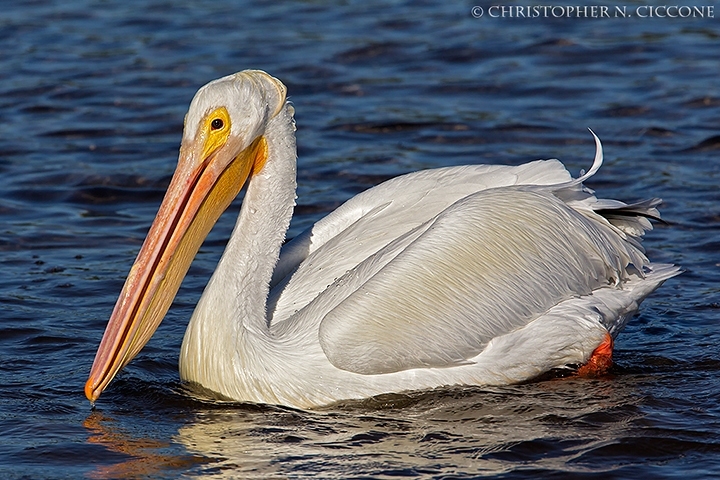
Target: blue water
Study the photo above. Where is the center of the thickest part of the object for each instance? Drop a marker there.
(92, 98)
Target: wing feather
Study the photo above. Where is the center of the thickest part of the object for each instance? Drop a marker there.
(462, 282)
(370, 221)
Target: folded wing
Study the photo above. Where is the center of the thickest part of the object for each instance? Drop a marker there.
(489, 264)
(370, 221)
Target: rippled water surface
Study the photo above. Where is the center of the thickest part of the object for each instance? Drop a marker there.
(92, 98)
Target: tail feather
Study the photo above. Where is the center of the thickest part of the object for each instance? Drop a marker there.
(631, 218)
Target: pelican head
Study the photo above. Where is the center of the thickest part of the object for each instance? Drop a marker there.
(222, 145)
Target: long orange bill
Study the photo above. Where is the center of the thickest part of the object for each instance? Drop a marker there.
(209, 176)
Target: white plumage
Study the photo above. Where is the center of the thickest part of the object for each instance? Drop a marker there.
(461, 275)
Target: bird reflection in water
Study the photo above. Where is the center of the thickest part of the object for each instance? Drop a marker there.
(463, 431)
(140, 457)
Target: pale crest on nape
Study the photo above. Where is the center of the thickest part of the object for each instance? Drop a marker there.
(251, 97)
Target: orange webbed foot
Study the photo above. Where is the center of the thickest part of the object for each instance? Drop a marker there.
(600, 361)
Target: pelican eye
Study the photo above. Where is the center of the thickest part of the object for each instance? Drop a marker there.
(217, 124)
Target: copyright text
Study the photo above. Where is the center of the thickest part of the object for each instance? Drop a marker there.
(593, 11)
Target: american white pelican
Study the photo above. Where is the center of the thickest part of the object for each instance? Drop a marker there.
(463, 275)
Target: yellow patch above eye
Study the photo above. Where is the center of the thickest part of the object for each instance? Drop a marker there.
(215, 130)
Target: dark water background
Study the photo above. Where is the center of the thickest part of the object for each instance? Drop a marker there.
(92, 97)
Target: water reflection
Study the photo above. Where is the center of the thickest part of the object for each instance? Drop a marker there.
(554, 426)
(145, 456)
